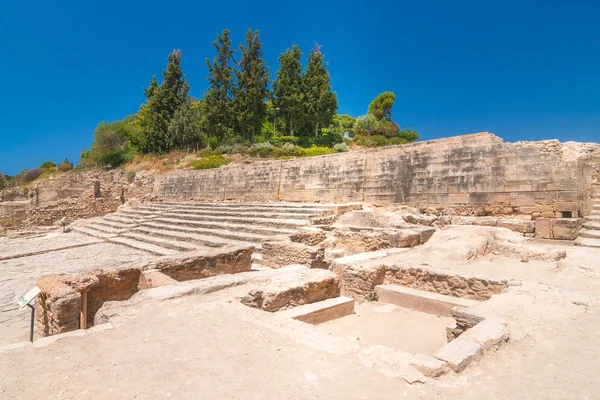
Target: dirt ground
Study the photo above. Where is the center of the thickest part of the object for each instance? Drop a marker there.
(212, 347)
(389, 325)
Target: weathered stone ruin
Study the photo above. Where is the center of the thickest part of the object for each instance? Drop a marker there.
(412, 260)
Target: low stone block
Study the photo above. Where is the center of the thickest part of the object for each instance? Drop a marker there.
(429, 366)
(543, 228)
(459, 353)
(489, 333)
(277, 254)
(290, 290)
(516, 225)
(566, 228)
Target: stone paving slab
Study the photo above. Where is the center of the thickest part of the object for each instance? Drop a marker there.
(18, 275)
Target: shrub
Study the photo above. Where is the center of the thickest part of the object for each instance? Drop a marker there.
(53, 169)
(408, 135)
(48, 165)
(65, 166)
(288, 150)
(225, 149)
(32, 174)
(202, 153)
(341, 147)
(209, 162)
(386, 128)
(213, 142)
(264, 149)
(279, 140)
(130, 175)
(365, 125)
(317, 151)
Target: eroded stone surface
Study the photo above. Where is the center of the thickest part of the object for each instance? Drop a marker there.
(428, 366)
(459, 353)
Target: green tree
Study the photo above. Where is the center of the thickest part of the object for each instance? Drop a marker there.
(381, 106)
(287, 90)
(319, 100)
(220, 121)
(161, 104)
(185, 128)
(252, 88)
(111, 146)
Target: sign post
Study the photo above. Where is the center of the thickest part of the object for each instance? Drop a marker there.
(24, 301)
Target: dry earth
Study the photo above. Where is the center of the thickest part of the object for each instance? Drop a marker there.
(211, 346)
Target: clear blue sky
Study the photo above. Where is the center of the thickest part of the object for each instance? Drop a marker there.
(525, 70)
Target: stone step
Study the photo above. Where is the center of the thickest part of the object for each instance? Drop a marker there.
(105, 229)
(160, 241)
(597, 206)
(264, 230)
(245, 205)
(138, 213)
(595, 213)
(113, 224)
(92, 232)
(592, 225)
(243, 214)
(587, 242)
(593, 218)
(227, 234)
(210, 241)
(280, 223)
(321, 311)
(143, 246)
(420, 300)
(124, 219)
(589, 233)
(255, 209)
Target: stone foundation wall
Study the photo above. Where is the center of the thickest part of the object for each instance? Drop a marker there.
(59, 304)
(475, 174)
(443, 283)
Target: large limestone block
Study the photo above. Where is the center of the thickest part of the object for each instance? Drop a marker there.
(429, 366)
(566, 228)
(543, 228)
(489, 333)
(517, 225)
(286, 252)
(459, 353)
(299, 287)
(200, 264)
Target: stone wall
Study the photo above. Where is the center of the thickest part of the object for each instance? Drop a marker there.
(61, 299)
(71, 195)
(475, 174)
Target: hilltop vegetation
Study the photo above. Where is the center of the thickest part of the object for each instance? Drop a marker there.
(245, 112)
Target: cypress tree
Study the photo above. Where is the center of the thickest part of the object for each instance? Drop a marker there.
(287, 90)
(319, 100)
(219, 96)
(252, 90)
(162, 102)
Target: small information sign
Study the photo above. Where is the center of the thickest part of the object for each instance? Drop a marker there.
(27, 297)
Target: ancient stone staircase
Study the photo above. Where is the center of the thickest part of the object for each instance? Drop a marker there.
(589, 235)
(169, 228)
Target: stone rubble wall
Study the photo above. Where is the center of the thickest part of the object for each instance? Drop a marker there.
(475, 174)
(71, 195)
